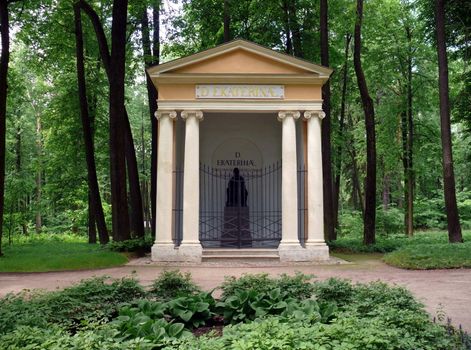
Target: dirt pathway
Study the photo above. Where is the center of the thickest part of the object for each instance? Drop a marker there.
(447, 289)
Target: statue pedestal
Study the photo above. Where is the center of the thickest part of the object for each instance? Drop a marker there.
(236, 233)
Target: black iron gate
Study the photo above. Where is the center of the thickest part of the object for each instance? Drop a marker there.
(240, 208)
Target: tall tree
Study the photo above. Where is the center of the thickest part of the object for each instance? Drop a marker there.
(454, 227)
(227, 21)
(151, 57)
(96, 208)
(329, 229)
(338, 165)
(121, 139)
(4, 61)
(369, 217)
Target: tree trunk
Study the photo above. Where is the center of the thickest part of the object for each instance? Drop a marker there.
(96, 213)
(91, 220)
(137, 217)
(329, 230)
(39, 180)
(121, 229)
(4, 60)
(227, 21)
(295, 29)
(122, 150)
(454, 227)
(289, 44)
(338, 165)
(151, 57)
(368, 108)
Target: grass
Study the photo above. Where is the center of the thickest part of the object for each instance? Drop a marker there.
(431, 256)
(426, 250)
(56, 253)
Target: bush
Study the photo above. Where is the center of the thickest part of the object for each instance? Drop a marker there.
(172, 284)
(389, 221)
(90, 301)
(139, 245)
(431, 256)
(334, 290)
(350, 222)
(297, 286)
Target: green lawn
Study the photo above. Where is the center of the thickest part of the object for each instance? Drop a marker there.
(56, 254)
(426, 250)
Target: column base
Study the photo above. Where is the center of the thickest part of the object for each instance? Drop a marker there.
(190, 252)
(290, 252)
(170, 253)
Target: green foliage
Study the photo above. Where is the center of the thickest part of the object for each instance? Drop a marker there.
(93, 300)
(98, 314)
(55, 252)
(296, 286)
(333, 290)
(173, 283)
(131, 245)
(248, 305)
(431, 256)
(193, 310)
(98, 338)
(389, 221)
(146, 320)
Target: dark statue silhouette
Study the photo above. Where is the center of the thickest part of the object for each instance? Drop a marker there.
(236, 233)
(236, 191)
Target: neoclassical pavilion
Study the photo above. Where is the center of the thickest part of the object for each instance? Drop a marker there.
(239, 165)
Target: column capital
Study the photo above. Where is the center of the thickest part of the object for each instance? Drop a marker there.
(162, 114)
(284, 114)
(309, 114)
(191, 113)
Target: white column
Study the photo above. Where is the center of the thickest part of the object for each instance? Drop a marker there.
(190, 248)
(289, 185)
(315, 204)
(164, 248)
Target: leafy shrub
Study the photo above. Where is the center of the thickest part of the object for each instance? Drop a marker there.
(430, 213)
(147, 321)
(92, 300)
(389, 221)
(172, 284)
(193, 310)
(248, 305)
(54, 338)
(297, 286)
(345, 333)
(334, 290)
(369, 297)
(350, 222)
(131, 245)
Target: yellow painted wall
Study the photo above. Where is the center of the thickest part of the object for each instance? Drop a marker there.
(239, 62)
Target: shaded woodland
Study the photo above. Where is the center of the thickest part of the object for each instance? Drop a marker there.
(78, 135)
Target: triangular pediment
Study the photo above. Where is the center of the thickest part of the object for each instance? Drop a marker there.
(240, 57)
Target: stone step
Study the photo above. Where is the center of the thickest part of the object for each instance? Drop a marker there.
(240, 252)
(217, 254)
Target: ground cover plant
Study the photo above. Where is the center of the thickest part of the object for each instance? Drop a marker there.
(425, 250)
(56, 252)
(102, 314)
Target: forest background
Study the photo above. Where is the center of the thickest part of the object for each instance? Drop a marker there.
(48, 162)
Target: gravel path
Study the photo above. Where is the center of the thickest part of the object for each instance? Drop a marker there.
(447, 289)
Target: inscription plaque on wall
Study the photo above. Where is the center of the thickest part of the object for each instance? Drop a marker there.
(237, 153)
(212, 91)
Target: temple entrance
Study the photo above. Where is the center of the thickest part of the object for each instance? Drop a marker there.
(240, 208)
